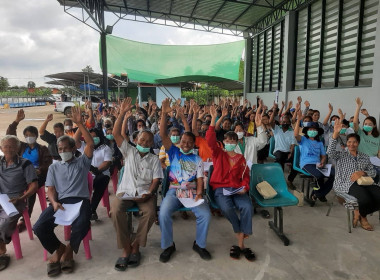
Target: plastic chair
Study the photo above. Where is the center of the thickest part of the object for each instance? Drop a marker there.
(16, 236)
(165, 188)
(273, 174)
(115, 179)
(306, 177)
(42, 197)
(271, 148)
(105, 197)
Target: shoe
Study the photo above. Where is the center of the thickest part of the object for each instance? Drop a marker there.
(203, 253)
(355, 219)
(94, 217)
(322, 199)
(364, 224)
(167, 253)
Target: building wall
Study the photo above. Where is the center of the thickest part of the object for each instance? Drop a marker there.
(343, 98)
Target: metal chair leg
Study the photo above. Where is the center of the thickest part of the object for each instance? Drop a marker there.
(349, 220)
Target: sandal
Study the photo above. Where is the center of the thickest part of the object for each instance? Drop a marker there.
(53, 269)
(134, 259)
(121, 264)
(248, 254)
(365, 225)
(67, 266)
(265, 214)
(355, 220)
(4, 261)
(235, 252)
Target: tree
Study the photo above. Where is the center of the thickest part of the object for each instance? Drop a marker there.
(88, 69)
(31, 84)
(4, 84)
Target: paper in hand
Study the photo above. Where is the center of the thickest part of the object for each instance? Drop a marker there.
(67, 217)
(190, 203)
(8, 207)
(227, 192)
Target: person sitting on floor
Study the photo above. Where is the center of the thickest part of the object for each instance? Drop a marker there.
(186, 181)
(231, 173)
(352, 164)
(142, 174)
(67, 183)
(18, 180)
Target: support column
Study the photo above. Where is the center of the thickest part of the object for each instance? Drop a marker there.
(247, 66)
(290, 45)
(103, 48)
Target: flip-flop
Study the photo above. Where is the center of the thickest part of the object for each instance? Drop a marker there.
(121, 264)
(134, 259)
(248, 254)
(53, 269)
(4, 261)
(235, 252)
(67, 266)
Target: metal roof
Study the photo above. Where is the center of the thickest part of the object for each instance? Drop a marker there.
(232, 17)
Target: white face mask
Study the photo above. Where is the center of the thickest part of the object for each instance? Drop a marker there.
(66, 156)
(68, 127)
(240, 134)
(30, 140)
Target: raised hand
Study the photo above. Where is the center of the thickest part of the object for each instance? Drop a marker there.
(49, 118)
(307, 104)
(213, 112)
(180, 114)
(331, 108)
(126, 105)
(76, 115)
(224, 112)
(165, 107)
(20, 115)
(337, 126)
(299, 99)
(128, 114)
(359, 102)
(258, 118)
(298, 107)
(364, 112)
(290, 104)
(299, 115)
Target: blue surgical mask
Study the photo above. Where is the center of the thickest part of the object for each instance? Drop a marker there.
(188, 153)
(312, 133)
(229, 147)
(142, 149)
(174, 139)
(343, 130)
(332, 123)
(109, 137)
(96, 140)
(351, 124)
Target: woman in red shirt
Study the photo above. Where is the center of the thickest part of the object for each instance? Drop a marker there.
(230, 182)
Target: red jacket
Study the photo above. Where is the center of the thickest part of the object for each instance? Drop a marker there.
(224, 175)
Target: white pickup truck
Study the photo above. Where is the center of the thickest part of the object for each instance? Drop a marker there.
(65, 106)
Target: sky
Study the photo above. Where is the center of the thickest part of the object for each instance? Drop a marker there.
(38, 38)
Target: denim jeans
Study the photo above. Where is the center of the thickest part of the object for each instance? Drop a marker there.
(168, 206)
(229, 205)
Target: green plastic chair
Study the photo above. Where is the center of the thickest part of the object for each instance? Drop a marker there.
(210, 191)
(273, 174)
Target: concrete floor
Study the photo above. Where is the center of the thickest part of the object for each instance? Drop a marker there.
(320, 248)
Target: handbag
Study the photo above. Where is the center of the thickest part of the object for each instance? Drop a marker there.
(266, 190)
(365, 181)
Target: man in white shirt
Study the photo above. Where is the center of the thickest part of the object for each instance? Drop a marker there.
(142, 173)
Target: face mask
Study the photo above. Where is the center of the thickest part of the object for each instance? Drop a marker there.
(285, 125)
(229, 147)
(343, 131)
(142, 149)
(189, 152)
(312, 133)
(109, 136)
(96, 140)
(240, 134)
(68, 127)
(107, 125)
(174, 139)
(332, 123)
(66, 156)
(30, 140)
(367, 128)
(351, 124)
(306, 124)
(140, 129)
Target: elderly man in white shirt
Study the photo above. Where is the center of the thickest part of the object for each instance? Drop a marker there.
(142, 173)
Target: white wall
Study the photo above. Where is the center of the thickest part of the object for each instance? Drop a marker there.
(162, 93)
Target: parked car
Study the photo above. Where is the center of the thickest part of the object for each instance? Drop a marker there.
(49, 99)
(65, 107)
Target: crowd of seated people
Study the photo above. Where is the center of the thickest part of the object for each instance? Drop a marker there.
(178, 140)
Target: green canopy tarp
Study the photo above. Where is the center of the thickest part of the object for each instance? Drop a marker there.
(165, 64)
